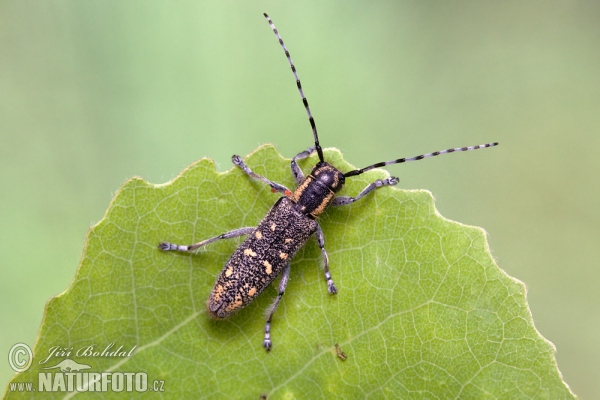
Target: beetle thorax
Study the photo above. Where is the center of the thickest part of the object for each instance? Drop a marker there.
(317, 190)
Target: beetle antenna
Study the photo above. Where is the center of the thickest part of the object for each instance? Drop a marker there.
(310, 117)
(416, 158)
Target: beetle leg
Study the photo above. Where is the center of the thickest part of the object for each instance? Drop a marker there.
(285, 277)
(296, 171)
(344, 200)
(275, 187)
(166, 246)
(321, 241)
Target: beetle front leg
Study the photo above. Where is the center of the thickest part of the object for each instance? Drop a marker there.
(167, 246)
(321, 242)
(285, 277)
(296, 171)
(275, 187)
(345, 200)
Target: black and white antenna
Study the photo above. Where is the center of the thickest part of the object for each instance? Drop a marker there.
(417, 158)
(310, 117)
(376, 165)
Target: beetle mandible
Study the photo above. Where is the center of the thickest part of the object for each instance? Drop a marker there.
(269, 248)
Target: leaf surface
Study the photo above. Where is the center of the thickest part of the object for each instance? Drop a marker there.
(422, 308)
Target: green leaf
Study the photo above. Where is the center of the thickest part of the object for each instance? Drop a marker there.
(422, 308)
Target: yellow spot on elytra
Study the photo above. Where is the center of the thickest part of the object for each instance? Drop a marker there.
(249, 252)
(217, 293)
(288, 240)
(237, 303)
(258, 235)
(283, 256)
(268, 267)
(229, 271)
(251, 292)
(273, 226)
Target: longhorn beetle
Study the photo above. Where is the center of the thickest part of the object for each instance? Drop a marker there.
(269, 248)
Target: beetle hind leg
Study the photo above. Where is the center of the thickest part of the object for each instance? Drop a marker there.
(167, 246)
(285, 277)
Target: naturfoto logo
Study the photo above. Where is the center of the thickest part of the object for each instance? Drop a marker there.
(65, 374)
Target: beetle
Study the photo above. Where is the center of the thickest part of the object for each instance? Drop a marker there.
(267, 251)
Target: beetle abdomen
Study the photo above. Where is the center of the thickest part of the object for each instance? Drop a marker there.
(260, 258)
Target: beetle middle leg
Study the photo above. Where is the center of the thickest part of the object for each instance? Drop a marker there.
(285, 277)
(275, 187)
(166, 246)
(321, 241)
(344, 200)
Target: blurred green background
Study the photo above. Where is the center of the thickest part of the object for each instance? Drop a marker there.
(95, 92)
